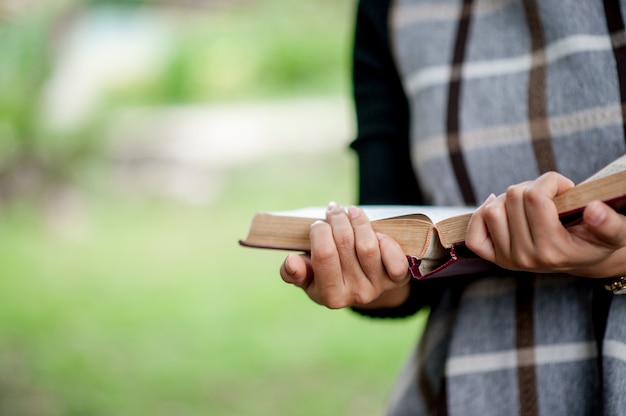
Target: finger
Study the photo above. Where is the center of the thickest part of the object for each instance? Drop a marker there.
(539, 205)
(478, 238)
(325, 260)
(366, 243)
(344, 238)
(521, 238)
(342, 231)
(296, 270)
(393, 258)
(496, 221)
(605, 224)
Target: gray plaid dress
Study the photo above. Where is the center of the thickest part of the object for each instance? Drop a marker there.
(500, 91)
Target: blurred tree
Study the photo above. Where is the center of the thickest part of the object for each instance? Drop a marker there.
(27, 33)
(195, 4)
(249, 49)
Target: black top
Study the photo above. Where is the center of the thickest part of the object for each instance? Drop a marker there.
(386, 175)
(382, 143)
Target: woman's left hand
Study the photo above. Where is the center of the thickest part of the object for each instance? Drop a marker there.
(521, 230)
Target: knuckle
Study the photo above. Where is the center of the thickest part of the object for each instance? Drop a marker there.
(397, 271)
(323, 255)
(344, 242)
(551, 175)
(532, 195)
(492, 212)
(550, 258)
(367, 249)
(361, 222)
(543, 258)
(330, 294)
(514, 192)
(364, 296)
(334, 302)
(522, 262)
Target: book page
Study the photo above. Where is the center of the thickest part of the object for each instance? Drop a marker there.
(617, 165)
(433, 214)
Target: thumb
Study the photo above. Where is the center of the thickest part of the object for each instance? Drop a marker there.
(605, 224)
(297, 270)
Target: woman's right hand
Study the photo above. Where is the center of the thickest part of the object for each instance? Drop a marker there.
(349, 264)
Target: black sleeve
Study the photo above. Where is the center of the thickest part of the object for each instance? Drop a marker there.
(382, 142)
(411, 306)
(386, 175)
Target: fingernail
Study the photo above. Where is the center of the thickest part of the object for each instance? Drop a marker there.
(354, 212)
(288, 266)
(490, 198)
(316, 222)
(335, 208)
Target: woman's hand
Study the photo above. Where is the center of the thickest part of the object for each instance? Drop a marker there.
(349, 264)
(520, 230)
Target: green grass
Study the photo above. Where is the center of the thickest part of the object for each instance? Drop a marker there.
(146, 307)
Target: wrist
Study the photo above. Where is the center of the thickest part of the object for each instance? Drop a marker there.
(612, 267)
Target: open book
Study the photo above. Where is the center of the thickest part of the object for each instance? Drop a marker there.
(433, 236)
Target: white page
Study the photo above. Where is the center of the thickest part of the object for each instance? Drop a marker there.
(377, 212)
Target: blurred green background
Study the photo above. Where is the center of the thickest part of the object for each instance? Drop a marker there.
(137, 139)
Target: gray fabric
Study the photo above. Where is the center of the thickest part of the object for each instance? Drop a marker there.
(472, 345)
(582, 92)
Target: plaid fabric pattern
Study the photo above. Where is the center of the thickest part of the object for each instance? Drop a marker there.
(501, 91)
